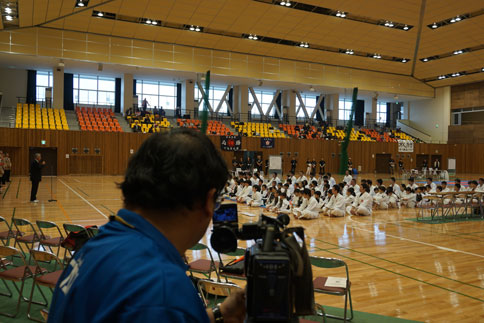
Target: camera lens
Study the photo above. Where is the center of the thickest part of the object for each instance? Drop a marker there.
(223, 240)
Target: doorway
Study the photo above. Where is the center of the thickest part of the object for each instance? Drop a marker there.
(421, 159)
(49, 155)
(382, 163)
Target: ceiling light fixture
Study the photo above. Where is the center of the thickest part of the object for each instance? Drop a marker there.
(404, 60)
(148, 21)
(303, 44)
(192, 28)
(482, 69)
(100, 14)
(285, 3)
(425, 60)
(453, 20)
(349, 52)
(197, 28)
(341, 14)
(9, 18)
(377, 56)
(405, 27)
(457, 52)
(441, 77)
(434, 26)
(154, 22)
(8, 10)
(455, 74)
(253, 37)
(458, 18)
(389, 24)
(80, 4)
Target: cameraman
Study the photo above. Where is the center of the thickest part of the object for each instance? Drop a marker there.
(133, 270)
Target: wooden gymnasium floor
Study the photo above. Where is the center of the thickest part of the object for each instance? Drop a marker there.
(400, 268)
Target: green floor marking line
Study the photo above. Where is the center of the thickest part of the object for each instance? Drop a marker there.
(5, 193)
(18, 188)
(403, 265)
(409, 277)
(82, 191)
(108, 209)
(455, 234)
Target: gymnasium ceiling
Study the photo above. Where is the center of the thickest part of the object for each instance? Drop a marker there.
(226, 24)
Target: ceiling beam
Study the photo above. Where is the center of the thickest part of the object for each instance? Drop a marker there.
(419, 34)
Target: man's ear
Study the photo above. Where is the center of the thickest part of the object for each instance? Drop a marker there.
(210, 202)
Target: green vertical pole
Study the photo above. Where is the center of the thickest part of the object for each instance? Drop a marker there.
(204, 125)
(343, 165)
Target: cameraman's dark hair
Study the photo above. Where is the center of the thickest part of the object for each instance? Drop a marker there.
(173, 170)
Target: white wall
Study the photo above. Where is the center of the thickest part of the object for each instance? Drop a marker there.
(13, 83)
(432, 116)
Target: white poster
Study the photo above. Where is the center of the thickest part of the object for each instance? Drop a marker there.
(405, 146)
(275, 162)
(451, 164)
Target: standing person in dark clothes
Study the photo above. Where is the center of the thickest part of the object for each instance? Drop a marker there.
(293, 165)
(36, 176)
(322, 165)
(258, 163)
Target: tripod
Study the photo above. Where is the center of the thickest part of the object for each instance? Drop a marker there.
(51, 190)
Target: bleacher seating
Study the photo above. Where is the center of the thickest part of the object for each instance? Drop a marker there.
(338, 133)
(32, 116)
(214, 127)
(97, 119)
(254, 129)
(148, 123)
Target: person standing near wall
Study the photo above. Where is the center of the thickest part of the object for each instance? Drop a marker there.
(7, 167)
(36, 176)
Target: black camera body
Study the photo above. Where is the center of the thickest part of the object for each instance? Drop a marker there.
(277, 267)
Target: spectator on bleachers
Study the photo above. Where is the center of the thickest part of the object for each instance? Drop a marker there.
(155, 111)
(162, 112)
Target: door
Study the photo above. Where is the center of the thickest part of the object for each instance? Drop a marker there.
(382, 162)
(49, 155)
(421, 158)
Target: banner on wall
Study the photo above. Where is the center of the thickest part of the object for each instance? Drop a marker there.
(230, 143)
(267, 143)
(405, 146)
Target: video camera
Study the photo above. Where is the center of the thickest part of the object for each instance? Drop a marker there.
(277, 266)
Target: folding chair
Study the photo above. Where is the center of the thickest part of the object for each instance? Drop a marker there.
(15, 275)
(431, 208)
(42, 278)
(474, 202)
(203, 266)
(320, 282)
(218, 289)
(237, 253)
(6, 235)
(52, 242)
(29, 240)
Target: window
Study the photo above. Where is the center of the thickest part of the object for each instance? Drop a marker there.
(381, 112)
(44, 80)
(95, 90)
(158, 94)
(344, 109)
(310, 103)
(265, 100)
(214, 96)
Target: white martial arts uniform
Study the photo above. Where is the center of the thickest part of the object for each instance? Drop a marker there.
(255, 200)
(312, 210)
(408, 199)
(381, 200)
(347, 179)
(338, 207)
(393, 201)
(246, 193)
(366, 204)
(302, 207)
(332, 181)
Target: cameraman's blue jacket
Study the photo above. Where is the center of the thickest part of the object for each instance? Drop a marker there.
(127, 274)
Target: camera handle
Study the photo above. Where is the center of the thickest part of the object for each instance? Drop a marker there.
(269, 239)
